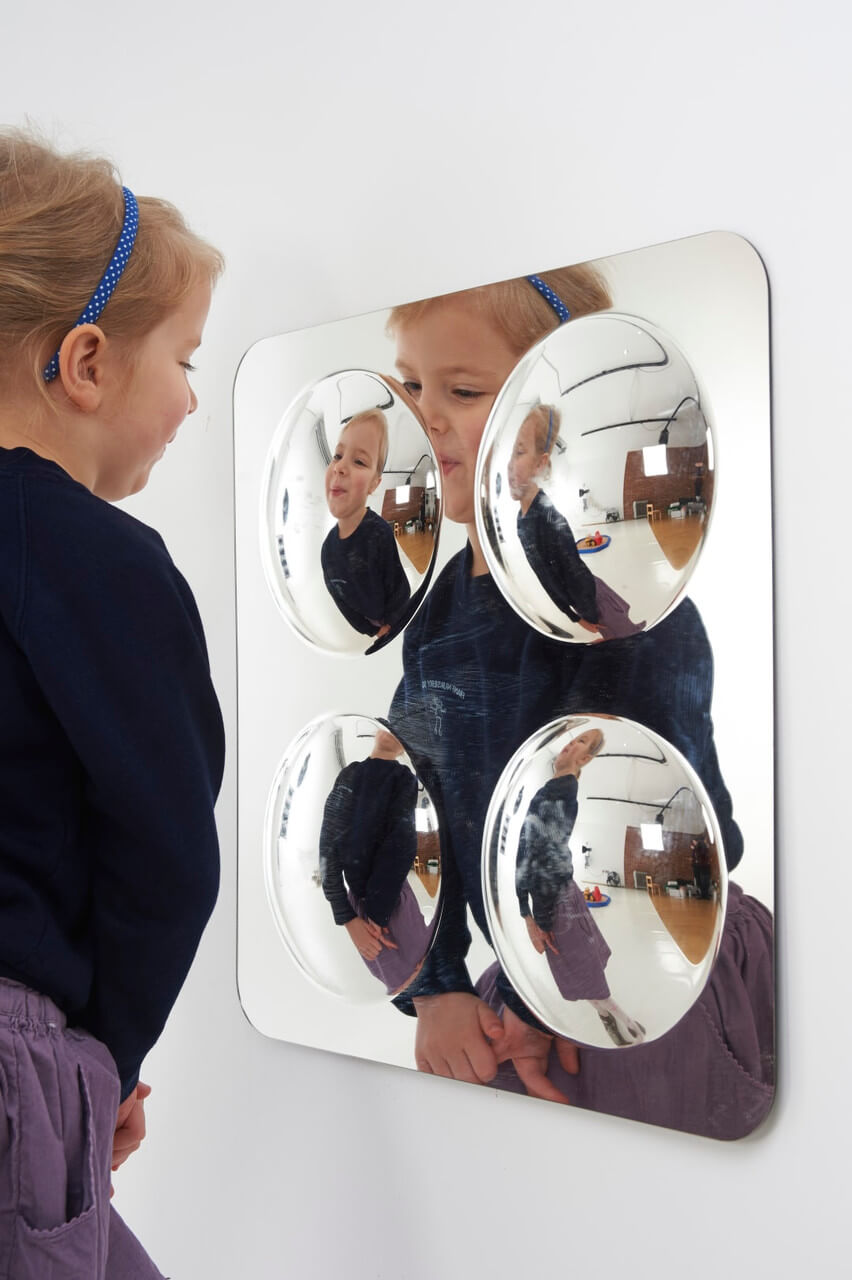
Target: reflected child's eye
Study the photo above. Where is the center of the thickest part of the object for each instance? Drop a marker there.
(465, 393)
(413, 388)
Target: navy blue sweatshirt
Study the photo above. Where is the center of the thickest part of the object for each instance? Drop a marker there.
(544, 866)
(549, 546)
(364, 575)
(111, 757)
(368, 835)
(478, 681)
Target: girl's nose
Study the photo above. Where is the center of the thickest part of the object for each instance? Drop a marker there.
(193, 401)
(433, 414)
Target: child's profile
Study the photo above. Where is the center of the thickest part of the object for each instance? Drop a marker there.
(111, 734)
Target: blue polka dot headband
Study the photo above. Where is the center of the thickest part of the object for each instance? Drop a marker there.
(549, 296)
(108, 280)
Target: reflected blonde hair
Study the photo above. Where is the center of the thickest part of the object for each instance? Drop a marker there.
(60, 220)
(374, 415)
(546, 420)
(515, 308)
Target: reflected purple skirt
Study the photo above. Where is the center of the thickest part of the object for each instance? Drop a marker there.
(410, 932)
(712, 1074)
(578, 968)
(613, 613)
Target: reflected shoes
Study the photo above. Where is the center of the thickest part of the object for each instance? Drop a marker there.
(621, 1029)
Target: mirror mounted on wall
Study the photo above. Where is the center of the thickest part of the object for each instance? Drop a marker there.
(607, 398)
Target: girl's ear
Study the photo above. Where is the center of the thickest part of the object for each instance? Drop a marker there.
(81, 366)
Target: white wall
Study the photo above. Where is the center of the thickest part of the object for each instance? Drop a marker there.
(345, 159)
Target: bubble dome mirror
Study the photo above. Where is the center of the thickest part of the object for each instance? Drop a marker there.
(588, 800)
(595, 479)
(352, 859)
(350, 513)
(713, 1074)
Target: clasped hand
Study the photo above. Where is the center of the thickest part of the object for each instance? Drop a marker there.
(369, 938)
(460, 1036)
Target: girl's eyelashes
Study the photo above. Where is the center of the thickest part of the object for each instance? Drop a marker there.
(190, 368)
(465, 393)
(413, 388)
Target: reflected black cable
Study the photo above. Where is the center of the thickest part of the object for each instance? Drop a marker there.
(386, 404)
(623, 368)
(649, 804)
(668, 802)
(641, 422)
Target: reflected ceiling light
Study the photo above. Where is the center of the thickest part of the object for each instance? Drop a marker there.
(652, 836)
(654, 460)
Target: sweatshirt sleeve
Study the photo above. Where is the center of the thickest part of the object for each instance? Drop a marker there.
(114, 639)
(336, 820)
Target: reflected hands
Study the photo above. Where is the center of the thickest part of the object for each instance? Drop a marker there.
(369, 938)
(528, 1049)
(539, 938)
(454, 1037)
(366, 936)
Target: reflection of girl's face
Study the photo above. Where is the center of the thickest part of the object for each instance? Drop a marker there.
(525, 463)
(453, 363)
(353, 472)
(578, 752)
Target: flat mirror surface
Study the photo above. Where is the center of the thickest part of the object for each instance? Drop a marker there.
(350, 513)
(596, 479)
(479, 676)
(353, 859)
(590, 799)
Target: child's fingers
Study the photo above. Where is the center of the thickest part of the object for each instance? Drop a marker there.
(568, 1055)
(536, 1083)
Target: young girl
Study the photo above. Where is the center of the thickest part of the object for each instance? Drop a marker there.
(558, 921)
(547, 540)
(360, 561)
(111, 738)
(478, 682)
(368, 844)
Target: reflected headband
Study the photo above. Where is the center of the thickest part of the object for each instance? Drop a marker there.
(108, 280)
(550, 297)
(549, 428)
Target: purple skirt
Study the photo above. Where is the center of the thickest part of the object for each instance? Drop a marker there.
(410, 932)
(613, 613)
(582, 951)
(712, 1074)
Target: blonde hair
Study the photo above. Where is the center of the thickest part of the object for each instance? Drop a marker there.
(374, 415)
(516, 308)
(546, 420)
(60, 220)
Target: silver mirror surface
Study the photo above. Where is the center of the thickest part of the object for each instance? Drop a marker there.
(709, 293)
(352, 859)
(350, 513)
(593, 800)
(596, 479)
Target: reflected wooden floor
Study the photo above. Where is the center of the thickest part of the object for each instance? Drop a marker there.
(418, 547)
(430, 880)
(678, 538)
(690, 922)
